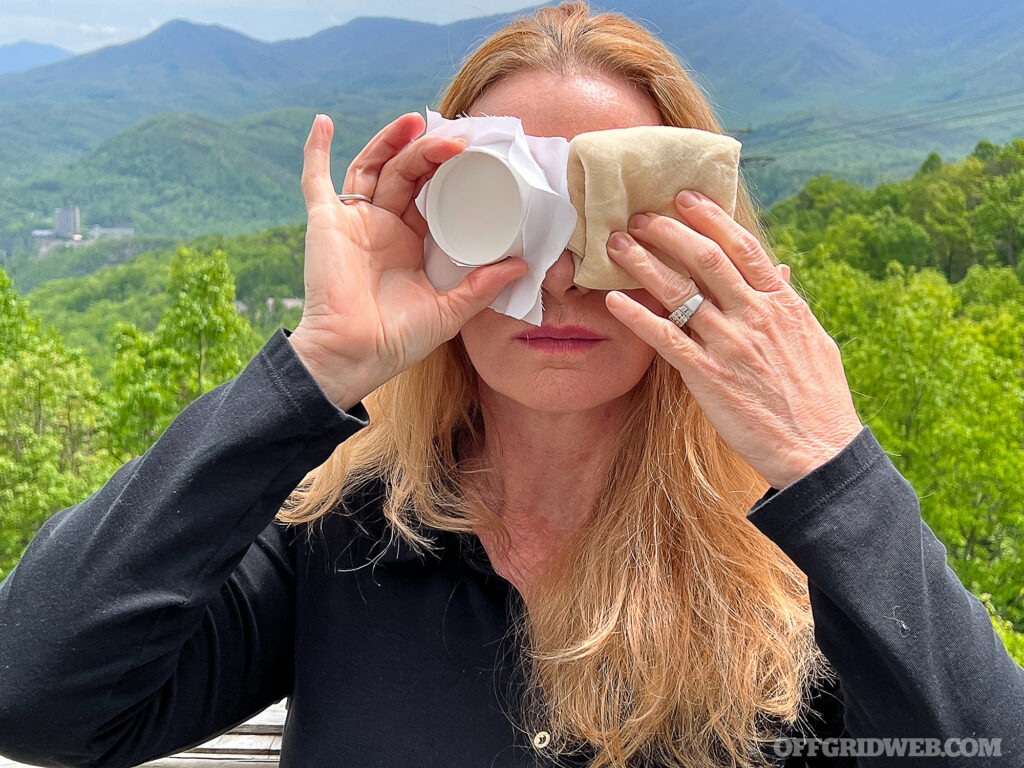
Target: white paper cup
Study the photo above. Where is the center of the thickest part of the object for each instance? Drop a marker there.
(476, 205)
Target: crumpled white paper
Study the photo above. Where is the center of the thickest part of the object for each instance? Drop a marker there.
(550, 217)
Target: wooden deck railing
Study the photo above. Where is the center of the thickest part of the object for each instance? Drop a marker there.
(256, 742)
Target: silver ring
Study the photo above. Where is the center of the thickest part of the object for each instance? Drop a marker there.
(683, 313)
(353, 197)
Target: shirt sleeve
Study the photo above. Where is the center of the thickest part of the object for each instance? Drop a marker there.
(157, 613)
(915, 652)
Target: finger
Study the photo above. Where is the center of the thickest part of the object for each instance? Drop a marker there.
(741, 246)
(480, 288)
(666, 285)
(364, 170)
(413, 219)
(700, 256)
(668, 340)
(403, 175)
(784, 272)
(317, 186)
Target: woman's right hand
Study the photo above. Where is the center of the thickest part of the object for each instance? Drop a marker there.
(370, 312)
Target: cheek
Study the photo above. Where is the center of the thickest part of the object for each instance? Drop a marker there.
(471, 342)
(479, 335)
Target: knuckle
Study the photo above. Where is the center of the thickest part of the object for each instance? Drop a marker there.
(758, 314)
(667, 336)
(750, 247)
(834, 350)
(681, 291)
(646, 268)
(708, 257)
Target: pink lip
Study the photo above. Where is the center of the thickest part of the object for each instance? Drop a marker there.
(573, 332)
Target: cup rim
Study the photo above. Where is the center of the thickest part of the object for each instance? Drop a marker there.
(433, 190)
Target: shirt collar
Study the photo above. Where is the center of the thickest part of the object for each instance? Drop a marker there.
(450, 546)
(389, 547)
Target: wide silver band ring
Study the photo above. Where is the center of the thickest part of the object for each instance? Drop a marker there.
(353, 197)
(683, 313)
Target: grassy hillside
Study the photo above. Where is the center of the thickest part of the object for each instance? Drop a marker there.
(182, 175)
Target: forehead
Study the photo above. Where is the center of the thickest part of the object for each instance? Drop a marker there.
(553, 104)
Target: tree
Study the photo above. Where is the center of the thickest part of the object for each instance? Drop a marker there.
(938, 378)
(49, 452)
(202, 325)
(143, 398)
(200, 341)
(940, 206)
(823, 201)
(986, 151)
(999, 218)
(931, 164)
(871, 242)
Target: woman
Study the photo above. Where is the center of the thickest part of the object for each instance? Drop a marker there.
(539, 551)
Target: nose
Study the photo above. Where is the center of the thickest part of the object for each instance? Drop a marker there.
(558, 279)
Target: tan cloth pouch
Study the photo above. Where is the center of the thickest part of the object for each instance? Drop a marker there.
(616, 173)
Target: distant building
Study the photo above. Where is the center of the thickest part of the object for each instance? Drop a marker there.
(42, 241)
(96, 232)
(69, 221)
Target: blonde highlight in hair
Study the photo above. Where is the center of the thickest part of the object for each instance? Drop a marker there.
(671, 632)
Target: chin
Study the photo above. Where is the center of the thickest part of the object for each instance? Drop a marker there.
(556, 390)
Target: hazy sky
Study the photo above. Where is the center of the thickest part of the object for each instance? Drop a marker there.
(83, 25)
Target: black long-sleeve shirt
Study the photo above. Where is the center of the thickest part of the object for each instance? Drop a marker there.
(169, 606)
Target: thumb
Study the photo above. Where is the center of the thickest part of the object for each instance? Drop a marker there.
(317, 186)
(478, 289)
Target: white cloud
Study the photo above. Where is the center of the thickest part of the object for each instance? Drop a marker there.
(71, 34)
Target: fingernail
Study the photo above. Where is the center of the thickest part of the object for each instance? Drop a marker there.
(640, 220)
(687, 199)
(619, 241)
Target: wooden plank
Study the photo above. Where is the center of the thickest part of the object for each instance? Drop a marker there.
(192, 761)
(254, 743)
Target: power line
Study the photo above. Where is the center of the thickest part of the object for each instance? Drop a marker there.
(892, 118)
(891, 130)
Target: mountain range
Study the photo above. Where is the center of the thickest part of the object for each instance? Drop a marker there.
(25, 54)
(190, 97)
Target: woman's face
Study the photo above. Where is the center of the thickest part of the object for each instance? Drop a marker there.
(601, 359)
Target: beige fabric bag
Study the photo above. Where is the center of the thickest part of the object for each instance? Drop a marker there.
(616, 173)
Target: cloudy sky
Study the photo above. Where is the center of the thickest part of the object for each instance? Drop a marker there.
(83, 25)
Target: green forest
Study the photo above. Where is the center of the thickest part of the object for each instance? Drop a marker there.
(920, 281)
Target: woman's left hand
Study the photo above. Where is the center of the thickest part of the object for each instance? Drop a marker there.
(764, 371)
